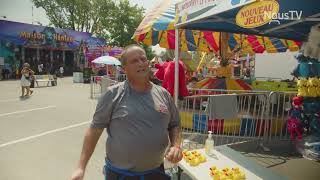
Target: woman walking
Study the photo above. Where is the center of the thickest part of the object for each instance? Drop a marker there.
(26, 75)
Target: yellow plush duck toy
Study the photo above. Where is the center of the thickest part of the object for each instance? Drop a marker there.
(190, 157)
(312, 87)
(317, 84)
(202, 158)
(216, 174)
(237, 174)
(302, 87)
(299, 86)
(194, 162)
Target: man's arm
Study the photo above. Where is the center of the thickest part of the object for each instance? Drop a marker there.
(175, 153)
(174, 136)
(90, 140)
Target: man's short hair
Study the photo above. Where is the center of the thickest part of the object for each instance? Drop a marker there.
(126, 50)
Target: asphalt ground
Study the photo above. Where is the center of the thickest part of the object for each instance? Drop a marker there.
(41, 136)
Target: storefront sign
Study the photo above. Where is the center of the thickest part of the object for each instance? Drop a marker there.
(41, 37)
(191, 10)
(257, 14)
(29, 35)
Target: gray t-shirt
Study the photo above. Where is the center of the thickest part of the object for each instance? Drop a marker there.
(137, 125)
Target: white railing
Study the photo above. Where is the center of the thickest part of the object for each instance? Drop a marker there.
(262, 116)
(99, 85)
(248, 124)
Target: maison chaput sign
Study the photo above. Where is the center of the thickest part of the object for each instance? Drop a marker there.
(257, 14)
(41, 36)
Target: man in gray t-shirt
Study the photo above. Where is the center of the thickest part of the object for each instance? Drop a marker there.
(140, 118)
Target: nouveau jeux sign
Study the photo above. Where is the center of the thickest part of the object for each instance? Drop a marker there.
(257, 14)
(193, 10)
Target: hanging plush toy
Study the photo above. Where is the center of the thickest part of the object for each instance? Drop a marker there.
(310, 106)
(160, 70)
(317, 82)
(166, 72)
(312, 47)
(299, 86)
(312, 87)
(296, 111)
(294, 128)
(315, 123)
(306, 67)
(302, 87)
(306, 125)
(295, 118)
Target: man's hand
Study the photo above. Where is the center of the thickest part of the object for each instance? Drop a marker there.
(78, 174)
(174, 154)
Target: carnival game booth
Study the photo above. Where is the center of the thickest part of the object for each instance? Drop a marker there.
(51, 47)
(302, 118)
(158, 28)
(296, 112)
(207, 26)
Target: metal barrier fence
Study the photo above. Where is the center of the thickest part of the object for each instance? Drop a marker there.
(95, 86)
(99, 85)
(193, 91)
(121, 77)
(197, 117)
(279, 104)
(262, 116)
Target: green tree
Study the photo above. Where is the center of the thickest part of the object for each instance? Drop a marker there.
(150, 54)
(123, 23)
(79, 15)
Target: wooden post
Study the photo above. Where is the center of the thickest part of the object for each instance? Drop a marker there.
(224, 37)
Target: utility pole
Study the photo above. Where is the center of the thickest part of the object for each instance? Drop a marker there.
(32, 13)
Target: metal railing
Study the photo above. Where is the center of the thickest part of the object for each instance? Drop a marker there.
(262, 116)
(279, 104)
(194, 91)
(248, 124)
(99, 85)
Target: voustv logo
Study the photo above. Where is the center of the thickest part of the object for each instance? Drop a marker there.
(290, 15)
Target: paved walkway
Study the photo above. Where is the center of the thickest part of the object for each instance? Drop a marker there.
(41, 136)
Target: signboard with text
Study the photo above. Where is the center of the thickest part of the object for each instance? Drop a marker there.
(257, 14)
(191, 10)
(29, 35)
